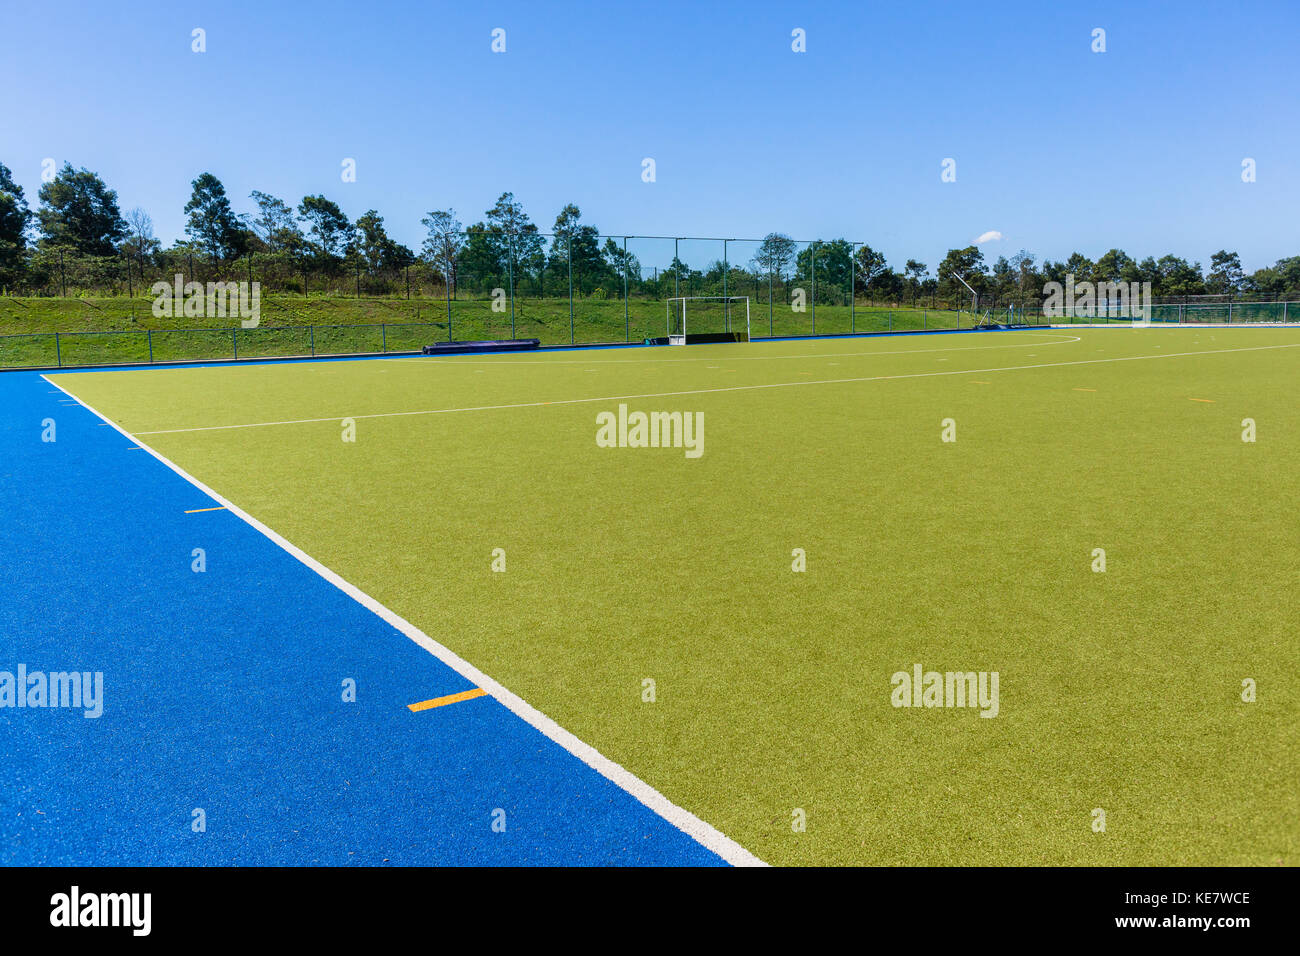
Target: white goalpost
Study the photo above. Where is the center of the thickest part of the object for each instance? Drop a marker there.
(707, 315)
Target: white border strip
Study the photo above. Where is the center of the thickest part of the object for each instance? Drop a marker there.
(708, 836)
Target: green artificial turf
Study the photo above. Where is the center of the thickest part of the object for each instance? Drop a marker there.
(1118, 690)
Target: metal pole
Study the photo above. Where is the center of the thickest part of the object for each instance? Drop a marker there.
(677, 271)
(510, 280)
(234, 342)
(771, 328)
(58, 352)
(150, 335)
(627, 321)
(568, 251)
(383, 332)
(853, 292)
(446, 285)
(726, 303)
(813, 250)
(312, 330)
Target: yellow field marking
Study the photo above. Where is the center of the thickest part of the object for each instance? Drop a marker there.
(975, 382)
(1085, 390)
(1208, 401)
(197, 510)
(449, 699)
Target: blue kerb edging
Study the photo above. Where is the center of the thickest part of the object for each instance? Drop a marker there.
(223, 691)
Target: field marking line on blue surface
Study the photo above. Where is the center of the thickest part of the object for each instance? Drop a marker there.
(703, 833)
(750, 358)
(709, 391)
(194, 511)
(448, 699)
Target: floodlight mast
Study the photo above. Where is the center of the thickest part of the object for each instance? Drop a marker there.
(975, 296)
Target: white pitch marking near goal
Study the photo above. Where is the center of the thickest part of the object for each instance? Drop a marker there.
(681, 307)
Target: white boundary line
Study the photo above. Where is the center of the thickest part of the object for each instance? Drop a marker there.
(466, 360)
(708, 836)
(708, 391)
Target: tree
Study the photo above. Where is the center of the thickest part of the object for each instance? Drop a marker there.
(621, 262)
(376, 248)
(79, 212)
(833, 261)
(274, 223)
(578, 243)
(443, 244)
(1225, 276)
(508, 238)
(328, 227)
(1282, 279)
(869, 266)
(915, 276)
(1080, 266)
(140, 243)
(967, 263)
(1115, 266)
(212, 224)
(774, 253)
(1177, 276)
(15, 217)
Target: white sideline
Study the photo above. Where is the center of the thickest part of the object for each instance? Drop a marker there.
(708, 836)
(546, 361)
(707, 391)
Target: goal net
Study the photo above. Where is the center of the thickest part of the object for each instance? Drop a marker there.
(708, 318)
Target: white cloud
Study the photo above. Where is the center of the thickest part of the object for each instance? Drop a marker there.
(988, 237)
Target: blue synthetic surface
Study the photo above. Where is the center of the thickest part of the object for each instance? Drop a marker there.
(223, 691)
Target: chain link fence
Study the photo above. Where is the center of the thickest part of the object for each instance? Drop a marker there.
(582, 288)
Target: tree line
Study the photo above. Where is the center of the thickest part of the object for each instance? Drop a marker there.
(78, 216)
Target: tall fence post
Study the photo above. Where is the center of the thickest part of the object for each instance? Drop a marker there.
(771, 325)
(312, 330)
(627, 320)
(150, 335)
(726, 302)
(234, 342)
(510, 280)
(383, 332)
(568, 250)
(58, 352)
(853, 292)
(813, 270)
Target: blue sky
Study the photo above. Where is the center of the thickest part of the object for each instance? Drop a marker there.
(1058, 148)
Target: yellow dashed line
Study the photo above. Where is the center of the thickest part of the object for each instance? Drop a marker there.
(197, 510)
(1085, 390)
(1208, 401)
(449, 699)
